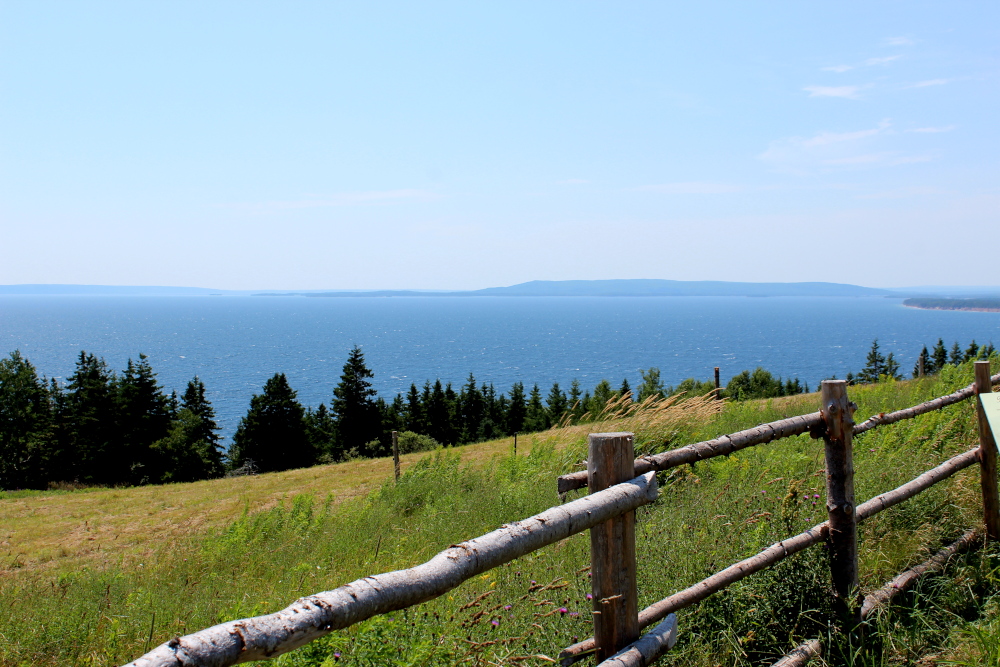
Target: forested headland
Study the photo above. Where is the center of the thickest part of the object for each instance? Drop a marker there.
(105, 428)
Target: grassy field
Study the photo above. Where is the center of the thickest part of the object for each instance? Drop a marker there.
(96, 577)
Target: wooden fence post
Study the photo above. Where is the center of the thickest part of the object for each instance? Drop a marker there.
(395, 453)
(717, 382)
(987, 455)
(610, 461)
(838, 414)
(920, 366)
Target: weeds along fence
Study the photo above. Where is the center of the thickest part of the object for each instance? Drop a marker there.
(619, 484)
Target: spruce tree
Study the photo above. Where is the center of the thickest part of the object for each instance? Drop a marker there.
(439, 424)
(192, 450)
(874, 365)
(892, 368)
(972, 352)
(556, 404)
(625, 390)
(414, 420)
(517, 411)
(358, 419)
(575, 399)
(536, 418)
(494, 415)
(25, 424)
(272, 436)
(144, 417)
(87, 426)
(603, 393)
(472, 411)
(322, 431)
(955, 358)
(939, 357)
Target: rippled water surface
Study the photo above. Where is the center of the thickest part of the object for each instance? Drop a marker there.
(235, 343)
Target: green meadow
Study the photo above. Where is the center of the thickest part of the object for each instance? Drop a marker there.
(99, 576)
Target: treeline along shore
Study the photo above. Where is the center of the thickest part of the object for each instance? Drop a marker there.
(988, 305)
(103, 428)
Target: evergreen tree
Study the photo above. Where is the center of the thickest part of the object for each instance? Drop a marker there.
(603, 393)
(988, 350)
(494, 416)
(272, 436)
(972, 352)
(87, 427)
(625, 390)
(414, 420)
(955, 358)
(144, 417)
(472, 411)
(874, 365)
(453, 424)
(575, 399)
(322, 430)
(556, 404)
(194, 450)
(439, 416)
(926, 357)
(939, 357)
(536, 419)
(25, 424)
(651, 384)
(892, 368)
(517, 410)
(358, 418)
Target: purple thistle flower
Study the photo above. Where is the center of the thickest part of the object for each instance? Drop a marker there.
(815, 495)
(506, 607)
(589, 596)
(563, 610)
(495, 622)
(574, 613)
(336, 656)
(533, 582)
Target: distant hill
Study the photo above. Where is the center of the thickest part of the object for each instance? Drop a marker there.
(537, 288)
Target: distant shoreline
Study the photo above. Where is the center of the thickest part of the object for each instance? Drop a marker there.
(972, 305)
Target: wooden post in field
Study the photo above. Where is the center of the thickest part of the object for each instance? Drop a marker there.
(920, 366)
(987, 455)
(610, 461)
(395, 453)
(716, 382)
(838, 414)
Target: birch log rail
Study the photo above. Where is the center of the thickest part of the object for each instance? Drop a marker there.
(726, 444)
(648, 648)
(312, 617)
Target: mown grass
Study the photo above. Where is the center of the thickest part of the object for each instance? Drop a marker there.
(275, 545)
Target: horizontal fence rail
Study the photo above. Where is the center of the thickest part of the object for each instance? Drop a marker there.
(312, 617)
(778, 552)
(765, 433)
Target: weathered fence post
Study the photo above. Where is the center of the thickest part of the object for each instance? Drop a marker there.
(838, 414)
(610, 461)
(920, 366)
(395, 453)
(987, 455)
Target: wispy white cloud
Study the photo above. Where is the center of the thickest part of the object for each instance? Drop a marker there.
(929, 82)
(839, 69)
(368, 197)
(881, 61)
(847, 92)
(899, 41)
(835, 151)
(933, 130)
(692, 188)
(905, 193)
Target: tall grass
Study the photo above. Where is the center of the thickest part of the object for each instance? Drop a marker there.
(708, 516)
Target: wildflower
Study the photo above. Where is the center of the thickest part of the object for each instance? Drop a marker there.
(763, 492)
(815, 495)
(574, 614)
(563, 610)
(533, 582)
(590, 596)
(506, 607)
(336, 656)
(495, 622)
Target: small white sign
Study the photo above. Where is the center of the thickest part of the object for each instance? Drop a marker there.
(991, 404)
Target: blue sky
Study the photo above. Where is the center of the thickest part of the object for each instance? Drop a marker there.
(462, 145)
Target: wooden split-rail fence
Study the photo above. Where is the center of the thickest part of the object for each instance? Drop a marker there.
(619, 484)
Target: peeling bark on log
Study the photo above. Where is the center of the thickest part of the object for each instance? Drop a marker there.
(648, 648)
(910, 576)
(725, 444)
(778, 551)
(264, 637)
(801, 654)
(923, 408)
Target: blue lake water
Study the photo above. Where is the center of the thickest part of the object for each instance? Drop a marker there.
(235, 343)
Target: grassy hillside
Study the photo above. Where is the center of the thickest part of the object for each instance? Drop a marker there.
(96, 577)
